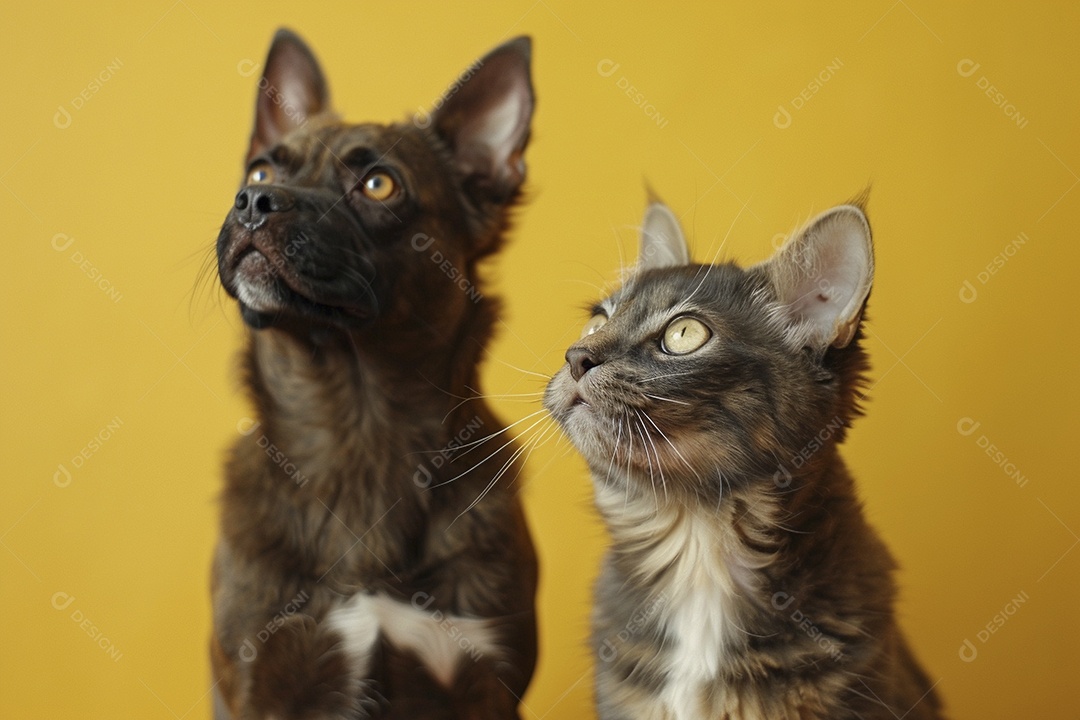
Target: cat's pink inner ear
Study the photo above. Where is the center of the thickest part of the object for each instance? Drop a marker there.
(823, 277)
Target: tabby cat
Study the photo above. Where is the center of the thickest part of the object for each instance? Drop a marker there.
(743, 580)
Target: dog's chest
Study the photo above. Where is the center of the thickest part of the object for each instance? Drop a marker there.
(441, 641)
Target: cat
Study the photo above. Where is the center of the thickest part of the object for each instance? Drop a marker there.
(358, 574)
(742, 580)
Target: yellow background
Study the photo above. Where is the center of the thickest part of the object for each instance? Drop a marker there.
(143, 175)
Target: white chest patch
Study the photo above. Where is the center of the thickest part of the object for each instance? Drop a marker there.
(701, 619)
(441, 641)
(703, 568)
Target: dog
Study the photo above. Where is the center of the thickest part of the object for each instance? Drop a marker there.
(369, 565)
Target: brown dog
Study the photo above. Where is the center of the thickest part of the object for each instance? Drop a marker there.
(356, 576)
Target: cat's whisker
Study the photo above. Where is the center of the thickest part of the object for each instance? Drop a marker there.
(659, 464)
(470, 446)
(520, 370)
(716, 255)
(666, 375)
(669, 442)
(664, 399)
(528, 447)
(648, 458)
(615, 448)
(495, 452)
(480, 396)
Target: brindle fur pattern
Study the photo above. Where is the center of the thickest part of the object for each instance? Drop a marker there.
(743, 580)
(359, 354)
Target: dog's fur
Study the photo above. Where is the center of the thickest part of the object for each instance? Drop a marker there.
(352, 579)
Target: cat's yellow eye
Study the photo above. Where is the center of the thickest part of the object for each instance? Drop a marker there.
(596, 322)
(261, 174)
(378, 186)
(685, 335)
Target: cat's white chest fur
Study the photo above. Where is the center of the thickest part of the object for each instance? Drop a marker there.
(701, 569)
(440, 640)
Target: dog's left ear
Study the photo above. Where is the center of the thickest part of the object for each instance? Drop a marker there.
(485, 119)
(291, 90)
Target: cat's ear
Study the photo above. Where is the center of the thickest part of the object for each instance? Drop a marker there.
(485, 118)
(822, 278)
(662, 240)
(292, 89)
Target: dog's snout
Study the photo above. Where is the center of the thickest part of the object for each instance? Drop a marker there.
(255, 203)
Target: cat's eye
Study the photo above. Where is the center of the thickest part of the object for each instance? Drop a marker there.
(378, 185)
(260, 174)
(685, 335)
(596, 322)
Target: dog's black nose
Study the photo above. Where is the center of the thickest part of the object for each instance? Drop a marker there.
(254, 204)
(581, 361)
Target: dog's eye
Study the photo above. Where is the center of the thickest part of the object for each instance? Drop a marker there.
(378, 186)
(261, 174)
(685, 335)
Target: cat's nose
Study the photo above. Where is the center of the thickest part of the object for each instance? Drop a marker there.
(581, 360)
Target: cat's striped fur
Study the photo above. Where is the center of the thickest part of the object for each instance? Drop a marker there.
(742, 580)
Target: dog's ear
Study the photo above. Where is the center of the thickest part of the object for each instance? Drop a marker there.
(292, 89)
(485, 118)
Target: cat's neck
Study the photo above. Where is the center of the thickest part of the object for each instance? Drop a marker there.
(743, 543)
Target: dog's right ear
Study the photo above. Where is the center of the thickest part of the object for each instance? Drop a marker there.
(292, 89)
(485, 118)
